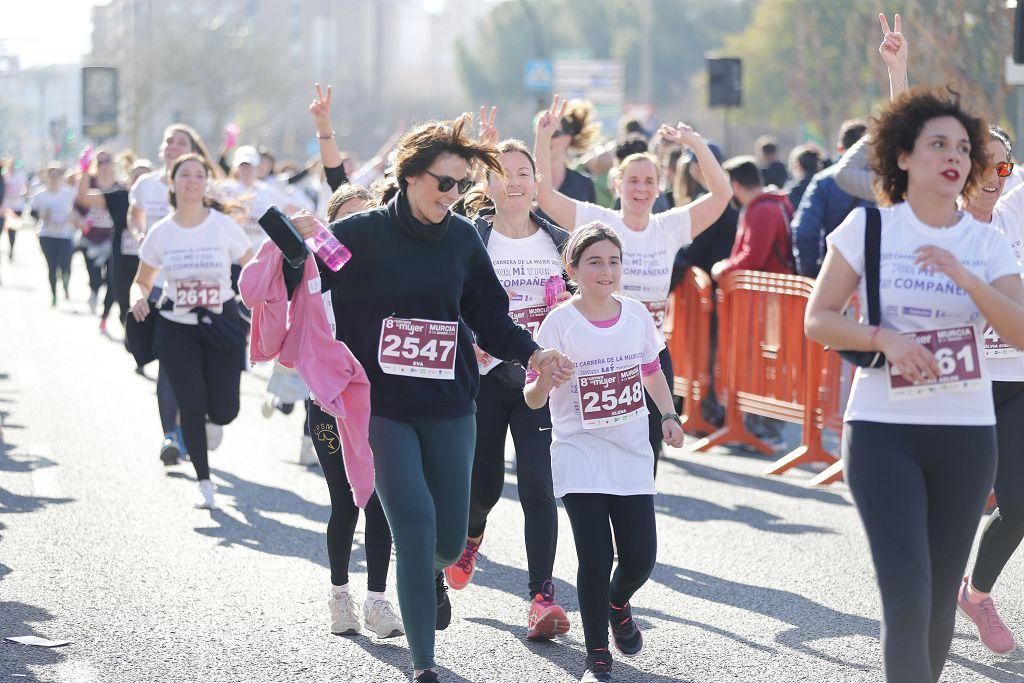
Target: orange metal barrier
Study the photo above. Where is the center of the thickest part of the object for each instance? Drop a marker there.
(688, 337)
(770, 368)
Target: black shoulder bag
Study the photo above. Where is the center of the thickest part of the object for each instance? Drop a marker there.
(872, 266)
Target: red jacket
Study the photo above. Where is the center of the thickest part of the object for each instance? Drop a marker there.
(762, 236)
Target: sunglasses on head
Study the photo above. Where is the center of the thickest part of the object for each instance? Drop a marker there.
(1004, 169)
(445, 183)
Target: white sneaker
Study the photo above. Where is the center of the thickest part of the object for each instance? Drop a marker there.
(268, 407)
(206, 491)
(307, 454)
(344, 621)
(381, 618)
(214, 436)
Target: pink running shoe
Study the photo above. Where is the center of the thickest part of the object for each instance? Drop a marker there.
(461, 573)
(993, 632)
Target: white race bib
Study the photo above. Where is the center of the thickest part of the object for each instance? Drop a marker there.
(418, 348)
(189, 294)
(995, 347)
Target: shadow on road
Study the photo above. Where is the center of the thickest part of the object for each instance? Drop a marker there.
(15, 659)
(696, 510)
(766, 483)
(1007, 671)
(399, 658)
(567, 654)
(810, 620)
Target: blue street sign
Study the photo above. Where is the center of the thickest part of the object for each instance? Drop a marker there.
(539, 75)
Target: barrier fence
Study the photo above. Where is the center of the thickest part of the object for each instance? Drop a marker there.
(765, 364)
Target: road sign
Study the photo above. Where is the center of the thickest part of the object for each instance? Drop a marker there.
(99, 101)
(538, 76)
(601, 81)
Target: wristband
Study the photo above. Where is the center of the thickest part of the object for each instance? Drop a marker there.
(325, 137)
(672, 416)
(871, 342)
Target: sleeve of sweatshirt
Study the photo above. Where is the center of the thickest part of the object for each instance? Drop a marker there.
(336, 176)
(484, 307)
(753, 247)
(854, 176)
(809, 230)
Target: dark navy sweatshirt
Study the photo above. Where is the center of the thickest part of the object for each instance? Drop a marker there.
(406, 269)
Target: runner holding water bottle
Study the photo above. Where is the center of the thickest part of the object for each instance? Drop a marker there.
(650, 241)
(525, 251)
(601, 460)
(920, 441)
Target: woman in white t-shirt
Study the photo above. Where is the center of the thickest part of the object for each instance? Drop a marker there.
(919, 443)
(193, 249)
(1005, 527)
(148, 202)
(254, 195)
(53, 208)
(601, 460)
(649, 241)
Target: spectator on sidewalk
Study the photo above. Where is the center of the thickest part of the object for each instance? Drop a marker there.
(804, 161)
(762, 233)
(824, 206)
(773, 171)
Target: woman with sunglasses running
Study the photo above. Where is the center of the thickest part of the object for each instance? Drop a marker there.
(418, 282)
(650, 241)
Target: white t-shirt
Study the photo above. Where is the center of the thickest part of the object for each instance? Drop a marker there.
(254, 200)
(151, 193)
(57, 209)
(648, 255)
(1008, 219)
(913, 301)
(14, 191)
(523, 266)
(615, 459)
(197, 259)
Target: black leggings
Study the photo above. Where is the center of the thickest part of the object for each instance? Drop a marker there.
(920, 491)
(1005, 528)
(341, 527)
(499, 407)
(636, 540)
(100, 275)
(58, 252)
(654, 414)
(205, 381)
(124, 268)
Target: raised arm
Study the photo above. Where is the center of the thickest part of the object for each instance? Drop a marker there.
(88, 197)
(320, 108)
(560, 208)
(707, 209)
(894, 50)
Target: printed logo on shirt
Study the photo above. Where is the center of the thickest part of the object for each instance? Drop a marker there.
(919, 312)
(325, 434)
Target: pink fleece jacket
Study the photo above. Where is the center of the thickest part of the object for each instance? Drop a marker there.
(299, 336)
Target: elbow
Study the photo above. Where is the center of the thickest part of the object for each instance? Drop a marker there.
(812, 327)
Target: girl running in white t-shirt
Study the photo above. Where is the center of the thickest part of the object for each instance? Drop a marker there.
(602, 463)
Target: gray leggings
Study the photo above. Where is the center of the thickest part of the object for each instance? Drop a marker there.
(422, 471)
(920, 491)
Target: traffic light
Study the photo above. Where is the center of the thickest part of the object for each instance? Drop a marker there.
(725, 83)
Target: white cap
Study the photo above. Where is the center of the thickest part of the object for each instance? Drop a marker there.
(246, 154)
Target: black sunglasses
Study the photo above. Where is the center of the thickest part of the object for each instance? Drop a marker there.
(445, 183)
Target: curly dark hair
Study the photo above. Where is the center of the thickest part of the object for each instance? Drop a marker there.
(896, 128)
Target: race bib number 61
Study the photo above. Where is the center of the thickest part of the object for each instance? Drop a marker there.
(956, 352)
(611, 398)
(418, 348)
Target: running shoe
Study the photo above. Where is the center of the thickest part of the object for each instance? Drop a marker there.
(993, 632)
(381, 618)
(307, 454)
(214, 436)
(181, 442)
(599, 667)
(268, 407)
(103, 325)
(169, 450)
(428, 676)
(444, 605)
(344, 621)
(206, 491)
(546, 619)
(461, 573)
(626, 634)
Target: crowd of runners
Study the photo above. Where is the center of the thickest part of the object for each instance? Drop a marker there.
(470, 285)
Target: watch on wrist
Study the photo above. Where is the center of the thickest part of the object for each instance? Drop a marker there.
(325, 137)
(672, 416)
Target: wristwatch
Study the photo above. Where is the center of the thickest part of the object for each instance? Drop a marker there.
(672, 416)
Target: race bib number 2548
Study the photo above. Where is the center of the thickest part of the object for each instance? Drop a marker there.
(418, 348)
(611, 398)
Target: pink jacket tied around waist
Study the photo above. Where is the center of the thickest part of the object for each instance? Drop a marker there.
(299, 337)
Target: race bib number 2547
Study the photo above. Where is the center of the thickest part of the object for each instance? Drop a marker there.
(418, 348)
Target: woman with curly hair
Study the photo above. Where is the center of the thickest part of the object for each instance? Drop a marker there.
(920, 440)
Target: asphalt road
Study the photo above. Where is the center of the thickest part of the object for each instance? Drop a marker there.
(758, 579)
